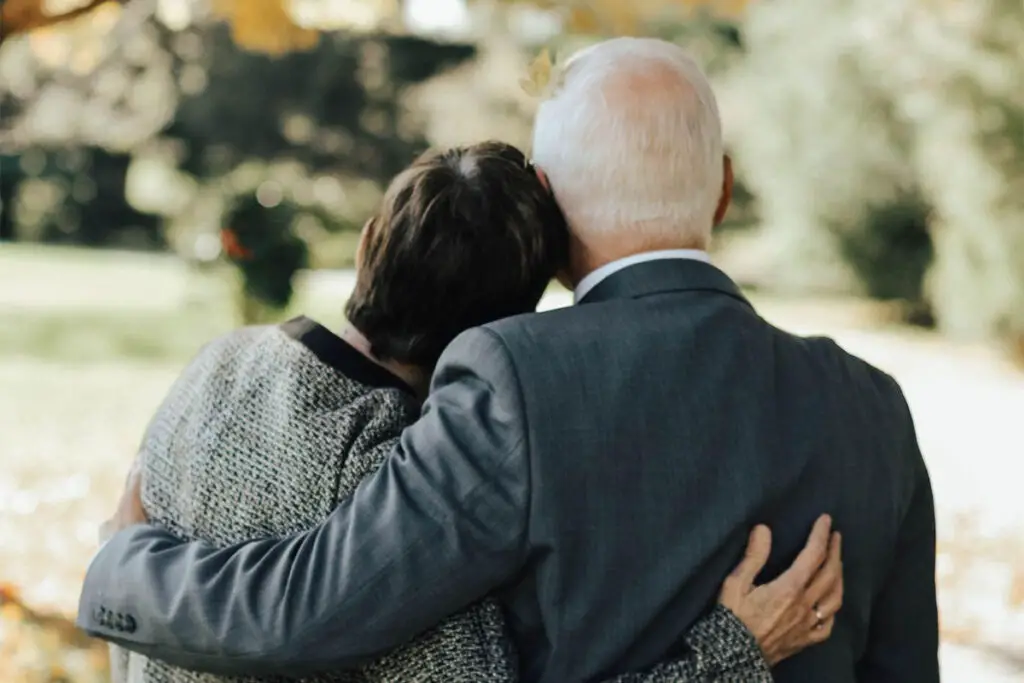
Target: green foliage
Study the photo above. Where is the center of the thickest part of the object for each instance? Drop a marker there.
(892, 248)
(322, 129)
(961, 90)
(73, 196)
(888, 137)
(260, 241)
(816, 142)
(715, 41)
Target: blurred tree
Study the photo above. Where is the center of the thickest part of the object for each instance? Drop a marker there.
(820, 146)
(334, 108)
(270, 26)
(10, 174)
(615, 17)
(960, 88)
(259, 238)
(889, 139)
(207, 123)
(75, 196)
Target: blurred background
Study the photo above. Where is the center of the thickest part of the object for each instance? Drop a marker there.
(170, 169)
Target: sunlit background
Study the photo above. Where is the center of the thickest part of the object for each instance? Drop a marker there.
(170, 169)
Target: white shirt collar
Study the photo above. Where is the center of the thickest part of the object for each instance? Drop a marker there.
(596, 276)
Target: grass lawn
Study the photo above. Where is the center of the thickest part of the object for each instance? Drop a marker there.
(86, 306)
(90, 306)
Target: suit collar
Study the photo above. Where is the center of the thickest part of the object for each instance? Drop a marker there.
(607, 270)
(659, 277)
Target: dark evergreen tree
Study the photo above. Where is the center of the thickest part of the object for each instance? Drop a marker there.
(260, 241)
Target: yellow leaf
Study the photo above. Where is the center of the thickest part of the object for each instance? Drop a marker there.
(265, 26)
(584, 20)
(538, 78)
(99, 658)
(621, 18)
(618, 17)
(11, 612)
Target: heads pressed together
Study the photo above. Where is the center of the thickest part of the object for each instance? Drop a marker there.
(631, 142)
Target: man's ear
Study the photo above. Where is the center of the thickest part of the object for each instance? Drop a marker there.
(726, 197)
(542, 177)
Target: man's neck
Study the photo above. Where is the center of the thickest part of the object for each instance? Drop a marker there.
(585, 259)
(415, 376)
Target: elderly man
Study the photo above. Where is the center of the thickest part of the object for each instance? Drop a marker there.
(598, 467)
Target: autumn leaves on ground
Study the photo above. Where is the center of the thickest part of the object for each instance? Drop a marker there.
(37, 647)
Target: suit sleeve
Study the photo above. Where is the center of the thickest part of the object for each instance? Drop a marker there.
(903, 636)
(439, 525)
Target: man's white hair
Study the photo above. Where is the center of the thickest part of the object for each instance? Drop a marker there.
(632, 143)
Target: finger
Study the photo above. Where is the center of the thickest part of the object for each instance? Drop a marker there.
(812, 556)
(135, 478)
(135, 493)
(759, 547)
(822, 612)
(829, 574)
(832, 601)
(133, 470)
(822, 633)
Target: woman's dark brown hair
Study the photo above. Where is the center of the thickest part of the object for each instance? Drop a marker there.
(464, 237)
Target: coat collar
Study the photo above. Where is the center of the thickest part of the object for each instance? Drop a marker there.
(334, 351)
(659, 277)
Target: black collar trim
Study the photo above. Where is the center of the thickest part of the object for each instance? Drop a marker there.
(340, 355)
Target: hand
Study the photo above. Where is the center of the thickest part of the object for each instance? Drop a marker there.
(129, 509)
(797, 609)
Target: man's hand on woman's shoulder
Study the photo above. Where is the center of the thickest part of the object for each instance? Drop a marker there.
(797, 609)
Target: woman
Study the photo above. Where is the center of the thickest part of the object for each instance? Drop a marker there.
(463, 238)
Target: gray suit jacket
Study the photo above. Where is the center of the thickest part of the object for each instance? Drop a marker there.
(597, 468)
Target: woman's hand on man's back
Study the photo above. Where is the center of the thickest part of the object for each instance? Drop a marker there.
(797, 609)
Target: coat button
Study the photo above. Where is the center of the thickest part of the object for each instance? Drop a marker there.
(118, 622)
(129, 624)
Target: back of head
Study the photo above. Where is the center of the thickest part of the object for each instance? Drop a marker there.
(632, 142)
(464, 237)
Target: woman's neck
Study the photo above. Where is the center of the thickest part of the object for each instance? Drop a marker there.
(413, 375)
